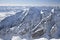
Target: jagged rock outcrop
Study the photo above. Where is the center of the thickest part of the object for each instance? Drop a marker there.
(32, 23)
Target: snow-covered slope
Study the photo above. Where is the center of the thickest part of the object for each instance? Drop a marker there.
(30, 23)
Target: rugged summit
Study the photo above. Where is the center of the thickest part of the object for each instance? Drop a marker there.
(32, 23)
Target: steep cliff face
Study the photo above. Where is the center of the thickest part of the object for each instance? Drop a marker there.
(31, 23)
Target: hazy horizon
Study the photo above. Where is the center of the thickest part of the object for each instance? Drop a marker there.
(29, 2)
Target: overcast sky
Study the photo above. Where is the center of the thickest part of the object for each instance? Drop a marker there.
(30, 2)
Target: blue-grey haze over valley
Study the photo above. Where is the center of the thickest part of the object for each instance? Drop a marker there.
(30, 2)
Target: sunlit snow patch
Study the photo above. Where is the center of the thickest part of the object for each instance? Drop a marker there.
(16, 38)
(6, 14)
(1, 39)
(54, 39)
(52, 10)
(41, 39)
(41, 12)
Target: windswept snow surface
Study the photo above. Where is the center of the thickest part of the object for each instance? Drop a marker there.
(6, 14)
(29, 23)
(18, 38)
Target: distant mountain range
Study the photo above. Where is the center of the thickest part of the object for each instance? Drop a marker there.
(30, 22)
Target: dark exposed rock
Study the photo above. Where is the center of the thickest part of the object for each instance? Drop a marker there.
(38, 34)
